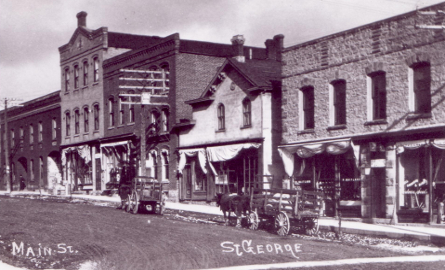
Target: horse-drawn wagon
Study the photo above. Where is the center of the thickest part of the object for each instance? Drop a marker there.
(286, 208)
(143, 193)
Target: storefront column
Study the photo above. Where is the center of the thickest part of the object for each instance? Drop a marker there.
(390, 183)
(93, 167)
(366, 186)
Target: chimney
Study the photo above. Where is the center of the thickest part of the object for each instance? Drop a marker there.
(278, 40)
(271, 51)
(238, 48)
(82, 19)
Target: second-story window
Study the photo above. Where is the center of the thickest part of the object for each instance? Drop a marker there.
(339, 102)
(22, 134)
(96, 117)
(54, 129)
(40, 131)
(31, 134)
(110, 112)
(67, 124)
(308, 107)
(247, 113)
(121, 111)
(76, 76)
(96, 69)
(378, 95)
(164, 120)
(221, 117)
(86, 116)
(421, 76)
(85, 73)
(76, 122)
(67, 79)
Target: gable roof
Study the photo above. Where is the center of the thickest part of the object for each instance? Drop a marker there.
(259, 73)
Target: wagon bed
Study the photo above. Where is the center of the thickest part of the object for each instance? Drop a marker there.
(286, 207)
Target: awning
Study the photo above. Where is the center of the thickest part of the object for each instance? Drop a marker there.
(227, 152)
(413, 145)
(200, 152)
(306, 150)
(82, 150)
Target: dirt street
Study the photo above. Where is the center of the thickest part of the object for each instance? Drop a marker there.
(41, 234)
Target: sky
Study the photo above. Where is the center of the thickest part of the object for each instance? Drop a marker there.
(31, 31)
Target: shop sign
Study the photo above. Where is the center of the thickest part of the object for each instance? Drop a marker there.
(378, 163)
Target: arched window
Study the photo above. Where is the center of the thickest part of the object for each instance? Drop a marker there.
(40, 127)
(76, 121)
(67, 123)
(96, 116)
(76, 76)
(221, 117)
(85, 73)
(67, 79)
(96, 69)
(86, 118)
(247, 113)
(164, 120)
(31, 134)
(54, 129)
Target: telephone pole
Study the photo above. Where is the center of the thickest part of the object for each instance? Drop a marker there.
(7, 144)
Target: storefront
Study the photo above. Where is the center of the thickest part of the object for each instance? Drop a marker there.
(205, 171)
(77, 166)
(329, 166)
(421, 180)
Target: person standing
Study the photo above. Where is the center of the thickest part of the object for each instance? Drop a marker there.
(22, 183)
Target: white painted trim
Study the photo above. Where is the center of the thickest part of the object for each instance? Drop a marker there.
(300, 110)
(369, 105)
(331, 106)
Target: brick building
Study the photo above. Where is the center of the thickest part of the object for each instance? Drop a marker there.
(34, 139)
(83, 102)
(231, 139)
(364, 117)
(172, 69)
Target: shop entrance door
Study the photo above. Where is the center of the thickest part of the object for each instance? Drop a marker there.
(378, 193)
(186, 183)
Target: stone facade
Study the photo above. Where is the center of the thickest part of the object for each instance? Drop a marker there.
(391, 46)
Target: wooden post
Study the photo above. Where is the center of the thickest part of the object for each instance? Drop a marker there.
(430, 186)
(143, 141)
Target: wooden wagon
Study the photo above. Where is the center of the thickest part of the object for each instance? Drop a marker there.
(286, 208)
(143, 193)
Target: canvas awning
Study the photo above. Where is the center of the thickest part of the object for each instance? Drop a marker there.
(306, 150)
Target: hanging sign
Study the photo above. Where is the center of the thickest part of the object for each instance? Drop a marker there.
(378, 163)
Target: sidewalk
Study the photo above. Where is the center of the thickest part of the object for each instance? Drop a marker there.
(435, 234)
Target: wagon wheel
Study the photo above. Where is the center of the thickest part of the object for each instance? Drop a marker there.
(311, 226)
(253, 220)
(128, 203)
(134, 202)
(282, 224)
(125, 204)
(160, 209)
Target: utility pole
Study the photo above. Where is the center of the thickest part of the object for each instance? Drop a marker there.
(155, 83)
(7, 143)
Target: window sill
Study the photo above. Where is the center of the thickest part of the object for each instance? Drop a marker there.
(84, 87)
(111, 127)
(95, 83)
(376, 122)
(76, 135)
(415, 116)
(306, 131)
(130, 124)
(336, 127)
(244, 127)
(220, 131)
(96, 131)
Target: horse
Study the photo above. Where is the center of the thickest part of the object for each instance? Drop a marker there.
(239, 204)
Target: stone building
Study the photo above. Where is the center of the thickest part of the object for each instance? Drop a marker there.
(364, 117)
(34, 139)
(231, 138)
